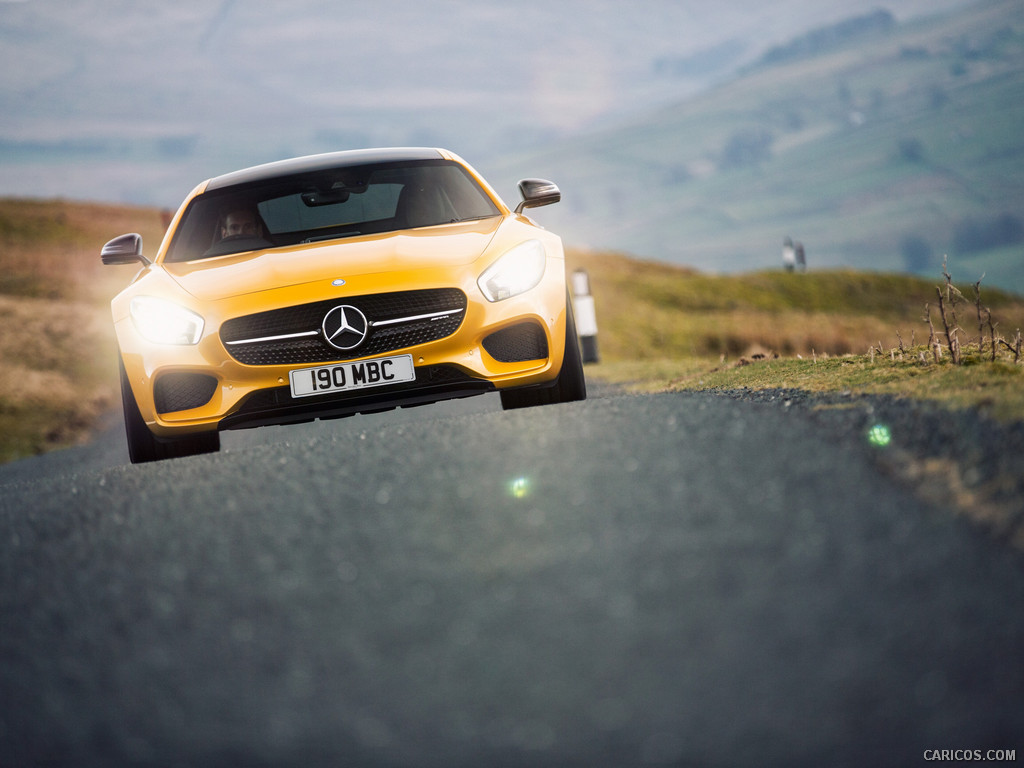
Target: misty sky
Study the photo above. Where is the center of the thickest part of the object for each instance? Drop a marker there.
(135, 96)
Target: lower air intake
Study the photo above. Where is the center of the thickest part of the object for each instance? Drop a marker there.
(183, 391)
(517, 343)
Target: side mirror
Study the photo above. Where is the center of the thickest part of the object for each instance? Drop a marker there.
(126, 249)
(537, 192)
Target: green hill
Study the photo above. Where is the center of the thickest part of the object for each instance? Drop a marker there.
(650, 310)
(879, 146)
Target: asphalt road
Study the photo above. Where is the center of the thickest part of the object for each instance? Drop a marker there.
(676, 579)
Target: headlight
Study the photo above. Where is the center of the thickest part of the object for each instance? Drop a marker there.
(517, 271)
(164, 322)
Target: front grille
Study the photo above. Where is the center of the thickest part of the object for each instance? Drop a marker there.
(517, 343)
(183, 391)
(397, 320)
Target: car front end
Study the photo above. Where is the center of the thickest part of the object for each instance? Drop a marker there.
(329, 325)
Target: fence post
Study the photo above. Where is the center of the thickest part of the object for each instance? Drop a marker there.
(586, 316)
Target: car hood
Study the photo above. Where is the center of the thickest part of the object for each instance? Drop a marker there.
(238, 274)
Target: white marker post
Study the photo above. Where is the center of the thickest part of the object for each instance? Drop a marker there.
(586, 316)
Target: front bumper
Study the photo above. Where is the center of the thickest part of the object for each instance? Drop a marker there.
(187, 389)
(277, 406)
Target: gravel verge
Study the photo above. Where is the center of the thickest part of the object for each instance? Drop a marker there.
(959, 458)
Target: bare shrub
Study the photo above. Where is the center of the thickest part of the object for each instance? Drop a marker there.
(949, 296)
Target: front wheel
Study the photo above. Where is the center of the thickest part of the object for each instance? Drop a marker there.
(570, 386)
(144, 446)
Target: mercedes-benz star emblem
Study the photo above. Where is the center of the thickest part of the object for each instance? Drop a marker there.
(345, 327)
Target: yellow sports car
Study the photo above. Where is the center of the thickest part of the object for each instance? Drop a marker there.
(340, 283)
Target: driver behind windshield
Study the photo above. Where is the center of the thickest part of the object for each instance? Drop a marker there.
(240, 221)
(238, 228)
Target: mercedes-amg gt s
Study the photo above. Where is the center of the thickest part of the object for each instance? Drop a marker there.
(334, 284)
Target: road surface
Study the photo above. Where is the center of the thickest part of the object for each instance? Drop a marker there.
(673, 579)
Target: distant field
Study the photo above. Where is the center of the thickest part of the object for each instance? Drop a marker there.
(648, 310)
(663, 327)
(659, 327)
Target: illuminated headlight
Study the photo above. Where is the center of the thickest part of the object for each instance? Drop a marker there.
(517, 271)
(164, 322)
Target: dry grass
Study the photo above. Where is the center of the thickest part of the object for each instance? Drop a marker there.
(58, 373)
(651, 311)
(51, 248)
(663, 327)
(660, 332)
(58, 369)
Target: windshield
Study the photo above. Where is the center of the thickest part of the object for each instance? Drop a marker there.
(327, 205)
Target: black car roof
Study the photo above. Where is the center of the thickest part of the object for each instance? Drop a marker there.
(314, 163)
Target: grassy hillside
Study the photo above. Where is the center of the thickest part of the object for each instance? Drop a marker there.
(648, 310)
(58, 370)
(663, 327)
(881, 150)
(660, 325)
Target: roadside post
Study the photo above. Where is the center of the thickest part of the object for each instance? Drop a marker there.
(586, 316)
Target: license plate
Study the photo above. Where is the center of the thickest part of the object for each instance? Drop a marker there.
(342, 377)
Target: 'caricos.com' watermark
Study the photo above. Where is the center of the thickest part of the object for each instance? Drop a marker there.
(970, 754)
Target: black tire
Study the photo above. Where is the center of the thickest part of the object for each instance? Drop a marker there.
(144, 446)
(570, 386)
